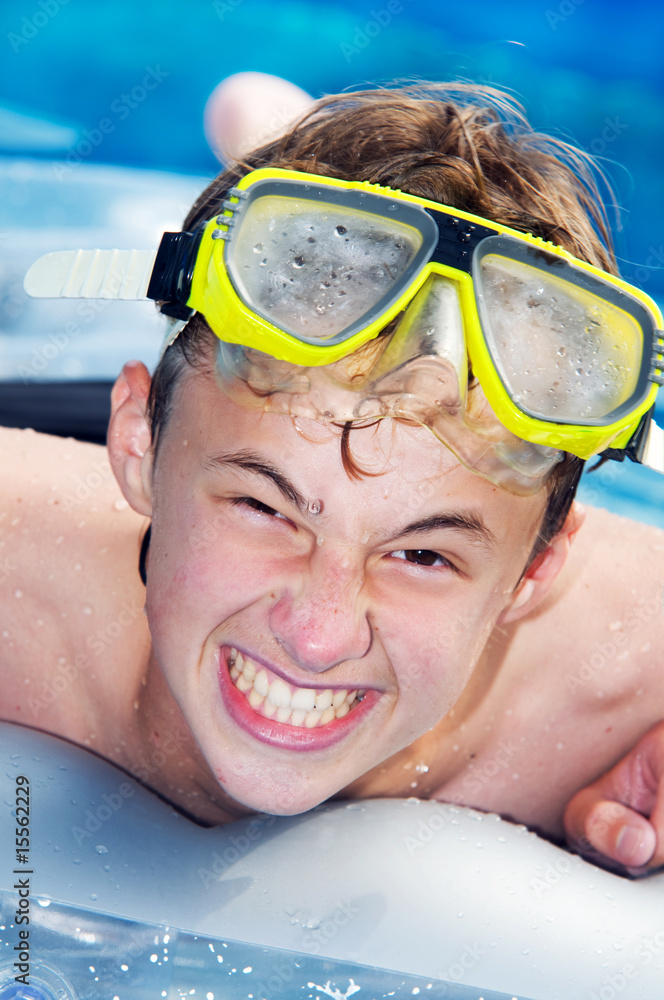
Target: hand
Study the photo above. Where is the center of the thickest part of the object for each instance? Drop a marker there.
(618, 821)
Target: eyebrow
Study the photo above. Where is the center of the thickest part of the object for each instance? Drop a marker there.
(251, 462)
(470, 523)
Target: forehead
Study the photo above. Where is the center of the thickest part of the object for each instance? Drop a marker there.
(402, 468)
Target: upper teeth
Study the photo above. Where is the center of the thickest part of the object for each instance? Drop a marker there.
(298, 706)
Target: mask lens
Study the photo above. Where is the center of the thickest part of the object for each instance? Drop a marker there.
(315, 269)
(564, 353)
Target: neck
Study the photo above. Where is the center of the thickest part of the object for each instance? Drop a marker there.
(161, 752)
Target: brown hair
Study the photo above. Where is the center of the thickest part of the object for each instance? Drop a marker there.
(466, 146)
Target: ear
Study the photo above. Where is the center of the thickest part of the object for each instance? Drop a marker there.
(129, 438)
(540, 576)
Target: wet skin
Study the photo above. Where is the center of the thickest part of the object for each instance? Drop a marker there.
(358, 597)
(480, 690)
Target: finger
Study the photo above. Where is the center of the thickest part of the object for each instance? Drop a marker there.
(594, 823)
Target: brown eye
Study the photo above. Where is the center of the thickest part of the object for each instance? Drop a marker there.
(422, 557)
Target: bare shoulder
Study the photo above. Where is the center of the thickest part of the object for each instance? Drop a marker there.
(56, 495)
(603, 622)
(68, 553)
(604, 534)
(618, 564)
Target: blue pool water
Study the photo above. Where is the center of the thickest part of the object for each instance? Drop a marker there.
(584, 71)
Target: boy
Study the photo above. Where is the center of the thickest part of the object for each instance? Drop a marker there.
(339, 603)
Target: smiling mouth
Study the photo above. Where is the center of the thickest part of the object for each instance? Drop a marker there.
(273, 698)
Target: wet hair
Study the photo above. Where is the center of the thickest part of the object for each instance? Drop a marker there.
(463, 145)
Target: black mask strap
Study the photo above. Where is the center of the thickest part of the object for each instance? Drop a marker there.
(143, 556)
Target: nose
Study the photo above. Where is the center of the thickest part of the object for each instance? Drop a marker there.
(321, 618)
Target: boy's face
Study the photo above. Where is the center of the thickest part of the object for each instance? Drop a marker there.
(390, 591)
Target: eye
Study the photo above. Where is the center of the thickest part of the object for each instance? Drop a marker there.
(259, 506)
(422, 557)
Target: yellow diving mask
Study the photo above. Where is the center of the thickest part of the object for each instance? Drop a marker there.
(349, 301)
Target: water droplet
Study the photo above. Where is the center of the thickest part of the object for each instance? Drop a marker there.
(258, 248)
(299, 261)
(18, 593)
(87, 610)
(100, 849)
(315, 506)
(340, 230)
(120, 504)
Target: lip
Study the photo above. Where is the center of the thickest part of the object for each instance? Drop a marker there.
(280, 734)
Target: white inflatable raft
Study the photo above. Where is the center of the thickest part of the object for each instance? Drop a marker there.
(125, 898)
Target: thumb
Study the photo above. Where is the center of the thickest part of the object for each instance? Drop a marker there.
(596, 825)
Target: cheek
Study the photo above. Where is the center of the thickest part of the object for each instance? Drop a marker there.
(202, 570)
(436, 650)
